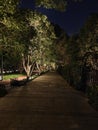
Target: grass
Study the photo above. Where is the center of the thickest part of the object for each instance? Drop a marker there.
(11, 76)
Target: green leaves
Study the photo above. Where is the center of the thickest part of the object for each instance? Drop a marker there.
(8, 7)
(56, 4)
(59, 5)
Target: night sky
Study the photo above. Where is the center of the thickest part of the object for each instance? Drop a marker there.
(73, 18)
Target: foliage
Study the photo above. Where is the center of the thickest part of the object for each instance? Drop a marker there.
(8, 7)
(59, 5)
(92, 93)
(56, 4)
(39, 43)
(25, 34)
(12, 76)
(60, 45)
(82, 52)
(88, 39)
(3, 92)
(9, 35)
(89, 34)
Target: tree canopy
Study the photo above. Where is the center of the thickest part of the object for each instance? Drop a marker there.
(28, 30)
(59, 5)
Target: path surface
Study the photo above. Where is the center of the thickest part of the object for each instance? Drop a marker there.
(47, 103)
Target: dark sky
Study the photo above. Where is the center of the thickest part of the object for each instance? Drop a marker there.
(73, 18)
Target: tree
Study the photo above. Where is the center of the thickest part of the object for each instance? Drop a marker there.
(10, 46)
(89, 34)
(7, 9)
(28, 29)
(56, 4)
(89, 41)
(59, 5)
(60, 45)
(8, 25)
(38, 43)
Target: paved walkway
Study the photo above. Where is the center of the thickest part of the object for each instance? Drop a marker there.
(46, 103)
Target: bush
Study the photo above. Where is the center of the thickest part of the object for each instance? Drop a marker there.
(75, 77)
(72, 74)
(3, 92)
(92, 93)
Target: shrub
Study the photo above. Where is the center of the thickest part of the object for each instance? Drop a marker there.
(92, 92)
(3, 92)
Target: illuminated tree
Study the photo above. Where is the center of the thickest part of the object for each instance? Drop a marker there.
(59, 5)
(56, 4)
(38, 42)
(28, 30)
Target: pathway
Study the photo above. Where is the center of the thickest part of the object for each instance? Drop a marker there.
(47, 103)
